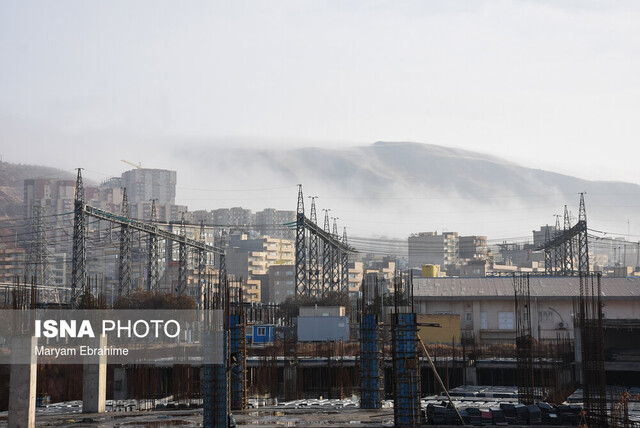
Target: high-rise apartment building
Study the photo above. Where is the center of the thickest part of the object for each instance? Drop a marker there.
(236, 216)
(144, 184)
(429, 248)
(270, 222)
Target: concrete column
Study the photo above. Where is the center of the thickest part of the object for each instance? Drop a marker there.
(577, 348)
(120, 384)
(22, 383)
(535, 321)
(94, 381)
(476, 319)
(471, 375)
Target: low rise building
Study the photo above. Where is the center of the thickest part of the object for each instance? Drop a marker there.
(322, 323)
(486, 305)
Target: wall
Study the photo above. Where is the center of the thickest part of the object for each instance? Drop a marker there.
(547, 314)
(448, 331)
(322, 329)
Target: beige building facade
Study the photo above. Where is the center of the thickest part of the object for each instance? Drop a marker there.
(486, 306)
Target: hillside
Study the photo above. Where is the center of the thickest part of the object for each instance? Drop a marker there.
(12, 178)
(384, 189)
(397, 188)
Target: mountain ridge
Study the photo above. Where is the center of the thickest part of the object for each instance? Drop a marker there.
(408, 186)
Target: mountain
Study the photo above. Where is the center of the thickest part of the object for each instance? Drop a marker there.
(398, 188)
(385, 189)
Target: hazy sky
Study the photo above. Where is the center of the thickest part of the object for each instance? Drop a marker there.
(548, 84)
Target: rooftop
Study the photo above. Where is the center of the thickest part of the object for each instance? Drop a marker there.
(502, 287)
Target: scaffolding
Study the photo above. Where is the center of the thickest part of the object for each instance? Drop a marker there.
(525, 379)
(215, 378)
(406, 362)
(215, 401)
(588, 310)
(237, 361)
(236, 324)
(406, 370)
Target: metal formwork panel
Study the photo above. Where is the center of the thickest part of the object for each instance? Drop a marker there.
(371, 363)
(406, 371)
(237, 363)
(215, 401)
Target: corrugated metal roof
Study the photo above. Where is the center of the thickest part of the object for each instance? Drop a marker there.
(503, 287)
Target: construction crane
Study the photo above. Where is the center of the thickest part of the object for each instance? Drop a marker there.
(137, 165)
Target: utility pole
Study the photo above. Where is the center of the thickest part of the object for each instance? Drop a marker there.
(583, 243)
(124, 272)
(182, 258)
(314, 279)
(301, 250)
(548, 268)
(38, 258)
(79, 261)
(152, 263)
(326, 257)
(557, 252)
(202, 262)
(567, 256)
(335, 259)
(344, 281)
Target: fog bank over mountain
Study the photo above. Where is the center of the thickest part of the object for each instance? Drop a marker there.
(397, 188)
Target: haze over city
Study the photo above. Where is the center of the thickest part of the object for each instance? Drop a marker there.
(544, 85)
(333, 212)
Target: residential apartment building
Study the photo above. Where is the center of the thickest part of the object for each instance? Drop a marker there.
(356, 274)
(540, 236)
(472, 248)
(202, 216)
(236, 216)
(58, 269)
(252, 258)
(12, 263)
(279, 284)
(431, 248)
(56, 196)
(270, 222)
(144, 184)
(383, 270)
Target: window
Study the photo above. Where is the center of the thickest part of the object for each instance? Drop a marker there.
(484, 320)
(468, 316)
(261, 331)
(545, 316)
(505, 320)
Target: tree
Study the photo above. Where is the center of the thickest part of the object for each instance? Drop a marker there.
(141, 299)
